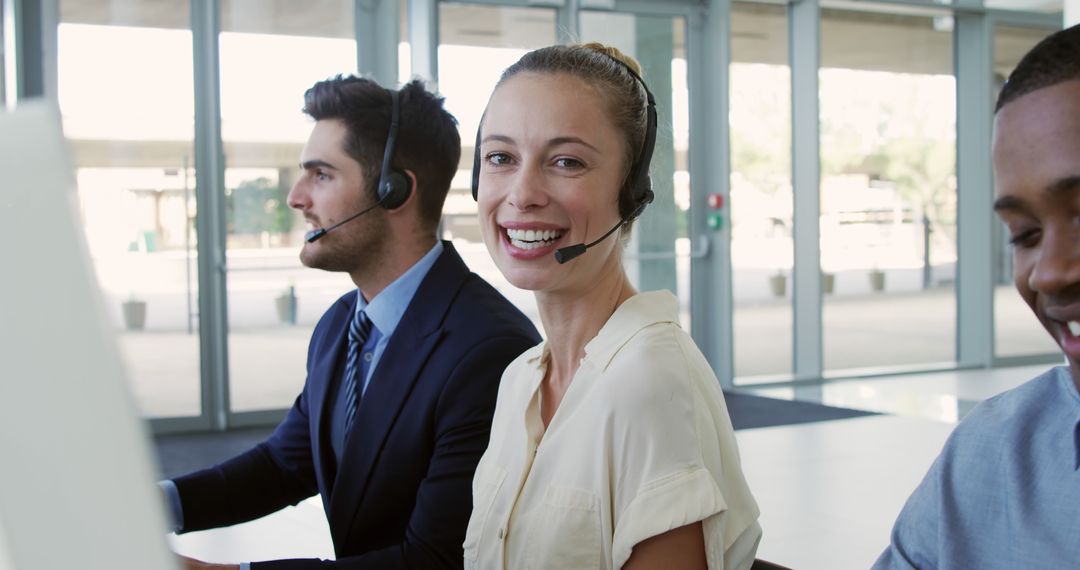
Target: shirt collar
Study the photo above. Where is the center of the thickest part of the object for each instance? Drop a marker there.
(386, 309)
(636, 313)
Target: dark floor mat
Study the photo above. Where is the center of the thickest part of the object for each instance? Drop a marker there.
(749, 411)
(184, 453)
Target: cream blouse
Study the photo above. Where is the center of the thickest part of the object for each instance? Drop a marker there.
(640, 444)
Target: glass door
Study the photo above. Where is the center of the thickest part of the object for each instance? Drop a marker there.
(475, 44)
(128, 114)
(888, 190)
(761, 193)
(659, 254)
(269, 56)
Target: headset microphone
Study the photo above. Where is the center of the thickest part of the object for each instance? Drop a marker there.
(564, 254)
(314, 235)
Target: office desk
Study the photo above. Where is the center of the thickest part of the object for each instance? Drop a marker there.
(828, 491)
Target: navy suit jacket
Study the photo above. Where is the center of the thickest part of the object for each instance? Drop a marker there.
(402, 494)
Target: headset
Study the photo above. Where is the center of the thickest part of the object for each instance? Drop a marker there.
(639, 181)
(393, 187)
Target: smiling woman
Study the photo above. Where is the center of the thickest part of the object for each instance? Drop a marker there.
(547, 174)
(629, 461)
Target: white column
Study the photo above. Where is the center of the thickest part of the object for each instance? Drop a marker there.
(568, 22)
(709, 54)
(974, 228)
(29, 49)
(377, 40)
(424, 39)
(804, 33)
(210, 221)
(1072, 13)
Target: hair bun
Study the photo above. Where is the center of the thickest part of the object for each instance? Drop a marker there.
(614, 53)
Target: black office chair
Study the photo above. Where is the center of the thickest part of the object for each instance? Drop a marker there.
(760, 564)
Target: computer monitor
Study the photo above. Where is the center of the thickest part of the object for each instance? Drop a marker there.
(76, 483)
(5, 558)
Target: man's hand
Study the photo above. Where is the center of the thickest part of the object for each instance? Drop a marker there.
(192, 564)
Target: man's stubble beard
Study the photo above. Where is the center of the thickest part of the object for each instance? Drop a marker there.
(358, 246)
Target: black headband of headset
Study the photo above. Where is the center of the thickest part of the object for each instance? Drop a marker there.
(391, 136)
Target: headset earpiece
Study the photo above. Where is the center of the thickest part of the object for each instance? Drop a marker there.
(394, 190)
(476, 163)
(394, 186)
(640, 182)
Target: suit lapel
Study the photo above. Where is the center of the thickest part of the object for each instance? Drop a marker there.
(416, 336)
(322, 380)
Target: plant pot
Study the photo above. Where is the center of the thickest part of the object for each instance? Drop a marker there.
(286, 306)
(828, 281)
(134, 315)
(778, 284)
(877, 280)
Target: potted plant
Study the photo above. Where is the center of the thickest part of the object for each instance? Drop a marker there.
(828, 281)
(877, 279)
(778, 284)
(134, 311)
(286, 305)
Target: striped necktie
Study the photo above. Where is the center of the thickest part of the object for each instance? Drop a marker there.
(359, 330)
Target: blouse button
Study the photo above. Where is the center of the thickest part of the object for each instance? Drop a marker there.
(501, 534)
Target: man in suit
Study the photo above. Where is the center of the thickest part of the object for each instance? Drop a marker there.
(402, 373)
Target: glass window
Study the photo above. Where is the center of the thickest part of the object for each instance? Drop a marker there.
(1046, 6)
(888, 189)
(476, 44)
(1016, 330)
(126, 95)
(3, 61)
(658, 255)
(404, 46)
(270, 54)
(761, 197)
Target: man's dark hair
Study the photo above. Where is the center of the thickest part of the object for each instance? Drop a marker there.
(427, 144)
(1056, 59)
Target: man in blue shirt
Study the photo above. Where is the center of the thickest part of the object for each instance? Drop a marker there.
(402, 373)
(1005, 491)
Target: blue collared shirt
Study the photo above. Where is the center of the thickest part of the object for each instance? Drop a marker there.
(385, 312)
(1005, 491)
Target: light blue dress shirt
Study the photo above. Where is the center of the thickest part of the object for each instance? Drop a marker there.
(1005, 491)
(385, 312)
